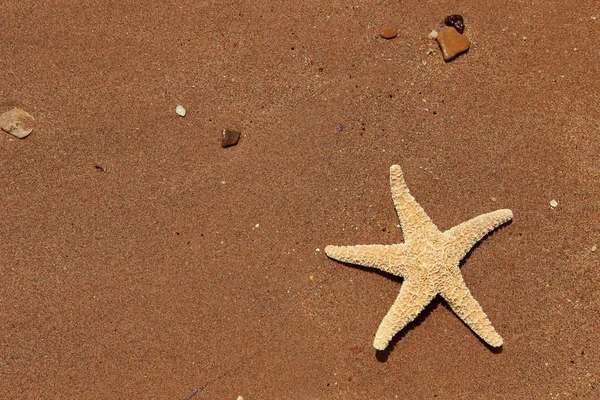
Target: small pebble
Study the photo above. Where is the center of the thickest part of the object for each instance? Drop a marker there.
(433, 34)
(452, 43)
(553, 203)
(17, 122)
(339, 128)
(229, 137)
(389, 32)
(456, 21)
(180, 111)
(593, 248)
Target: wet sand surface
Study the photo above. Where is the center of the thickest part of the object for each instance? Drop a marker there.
(140, 259)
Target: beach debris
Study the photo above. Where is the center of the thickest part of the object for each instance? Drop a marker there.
(229, 137)
(428, 261)
(456, 21)
(452, 43)
(339, 128)
(553, 203)
(389, 32)
(180, 111)
(17, 122)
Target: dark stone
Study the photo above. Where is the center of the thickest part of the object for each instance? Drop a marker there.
(455, 21)
(229, 137)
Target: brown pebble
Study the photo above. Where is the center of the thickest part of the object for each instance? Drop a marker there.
(389, 32)
(229, 137)
(456, 21)
(452, 43)
(16, 122)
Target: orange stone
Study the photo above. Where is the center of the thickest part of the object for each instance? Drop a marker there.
(389, 32)
(452, 43)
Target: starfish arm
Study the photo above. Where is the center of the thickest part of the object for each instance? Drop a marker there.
(411, 300)
(415, 222)
(388, 258)
(468, 309)
(463, 237)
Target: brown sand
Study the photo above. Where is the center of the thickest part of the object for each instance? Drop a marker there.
(131, 264)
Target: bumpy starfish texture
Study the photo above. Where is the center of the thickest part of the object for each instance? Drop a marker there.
(428, 260)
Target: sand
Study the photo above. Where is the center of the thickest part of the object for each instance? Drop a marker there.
(140, 259)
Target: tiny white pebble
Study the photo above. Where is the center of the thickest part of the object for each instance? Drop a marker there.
(180, 111)
(553, 203)
(318, 250)
(433, 34)
(257, 225)
(594, 248)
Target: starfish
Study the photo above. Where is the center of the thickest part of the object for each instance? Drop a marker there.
(428, 260)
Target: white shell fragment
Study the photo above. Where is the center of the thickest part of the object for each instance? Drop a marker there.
(180, 111)
(553, 203)
(16, 122)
